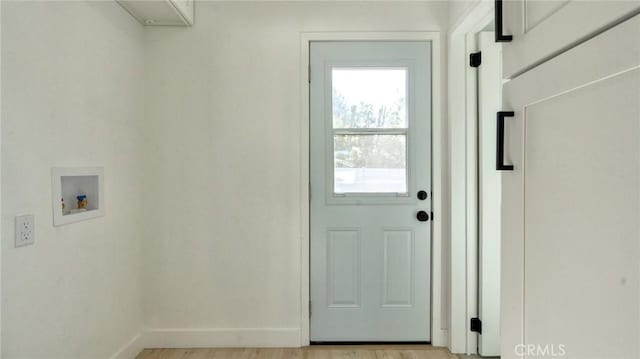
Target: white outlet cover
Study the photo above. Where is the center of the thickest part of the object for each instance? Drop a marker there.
(25, 230)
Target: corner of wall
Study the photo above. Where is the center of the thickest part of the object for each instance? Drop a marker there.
(131, 349)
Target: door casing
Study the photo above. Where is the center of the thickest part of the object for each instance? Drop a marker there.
(439, 335)
(463, 266)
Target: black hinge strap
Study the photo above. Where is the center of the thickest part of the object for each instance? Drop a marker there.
(475, 59)
(476, 325)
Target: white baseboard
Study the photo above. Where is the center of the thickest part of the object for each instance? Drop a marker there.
(221, 337)
(131, 349)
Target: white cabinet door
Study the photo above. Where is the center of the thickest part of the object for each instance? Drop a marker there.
(542, 29)
(571, 205)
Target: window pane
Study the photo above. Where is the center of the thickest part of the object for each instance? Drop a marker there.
(369, 97)
(370, 164)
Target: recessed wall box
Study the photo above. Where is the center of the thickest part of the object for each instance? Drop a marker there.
(77, 194)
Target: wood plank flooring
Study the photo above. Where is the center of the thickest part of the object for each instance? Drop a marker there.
(313, 352)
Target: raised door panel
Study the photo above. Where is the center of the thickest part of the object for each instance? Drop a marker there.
(398, 276)
(343, 272)
(571, 207)
(543, 29)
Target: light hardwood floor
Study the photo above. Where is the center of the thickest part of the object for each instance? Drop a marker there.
(314, 352)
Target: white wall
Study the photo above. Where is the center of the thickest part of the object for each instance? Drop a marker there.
(458, 10)
(72, 95)
(210, 180)
(222, 240)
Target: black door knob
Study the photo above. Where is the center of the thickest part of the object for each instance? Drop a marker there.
(422, 216)
(422, 195)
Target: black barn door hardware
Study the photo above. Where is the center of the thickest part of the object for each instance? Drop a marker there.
(500, 37)
(475, 59)
(500, 166)
(476, 325)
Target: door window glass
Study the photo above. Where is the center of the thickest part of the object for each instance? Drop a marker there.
(370, 128)
(369, 97)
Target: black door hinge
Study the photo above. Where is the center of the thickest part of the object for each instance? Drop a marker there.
(475, 59)
(476, 325)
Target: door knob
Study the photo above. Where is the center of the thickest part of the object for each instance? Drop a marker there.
(422, 216)
(422, 195)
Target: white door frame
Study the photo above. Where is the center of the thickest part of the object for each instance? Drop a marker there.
(463, 159)
(0, 186)
(438, 334)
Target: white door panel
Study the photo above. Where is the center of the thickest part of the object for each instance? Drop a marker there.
(370, 154)
(581, 223)
(541, 29)
(571, 207)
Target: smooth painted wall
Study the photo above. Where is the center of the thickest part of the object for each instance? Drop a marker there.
(458, 10)
(223, 112)
(72, 95)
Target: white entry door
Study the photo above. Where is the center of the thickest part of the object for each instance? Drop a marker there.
(370, 174)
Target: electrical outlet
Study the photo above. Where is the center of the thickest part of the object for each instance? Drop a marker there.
(25, 231)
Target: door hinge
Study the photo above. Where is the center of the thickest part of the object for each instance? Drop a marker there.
(475, 59)
(309, 309)
(476, 325)
(309, 73)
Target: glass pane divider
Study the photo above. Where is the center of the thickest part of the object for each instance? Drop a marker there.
(370, 131)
